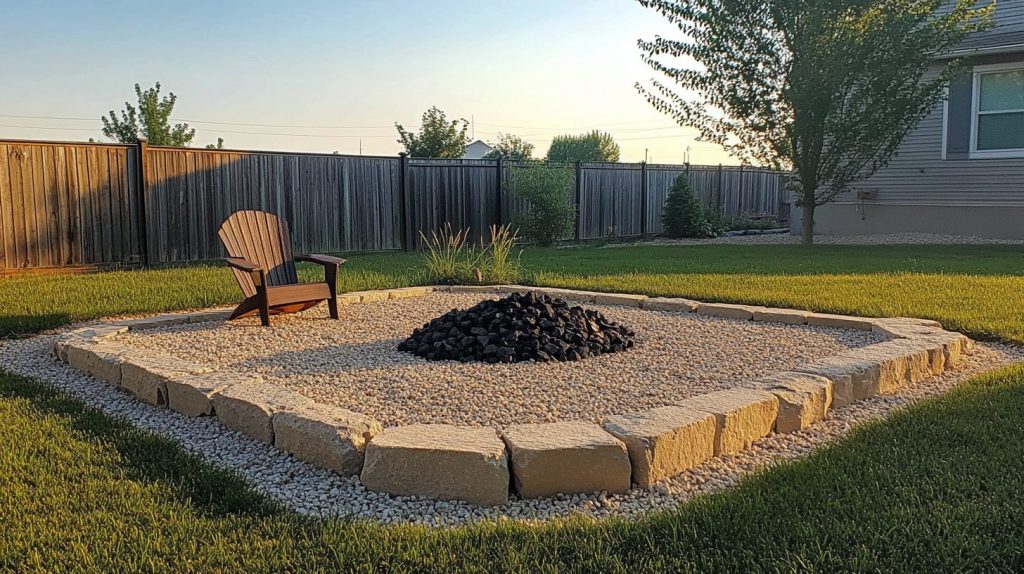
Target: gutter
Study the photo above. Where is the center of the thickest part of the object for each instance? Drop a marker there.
(1004, 49)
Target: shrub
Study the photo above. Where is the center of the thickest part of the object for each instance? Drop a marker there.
(450, 258)
(548, 216)
(684, 215)
(499, 265)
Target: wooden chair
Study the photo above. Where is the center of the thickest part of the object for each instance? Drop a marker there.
(260, 250)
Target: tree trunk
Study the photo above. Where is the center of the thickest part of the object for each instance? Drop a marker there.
(807, 223)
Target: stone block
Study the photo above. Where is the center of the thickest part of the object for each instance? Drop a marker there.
(209, 316)
(742, 416)
(145, 375)
(741, 312)
(804, 399)
(789, 316)
(374, 296)
(349, 298)
(566, 457)
(250, 408)
(664, 441)
(165, 320)
(840, 321)
(626, 299)
(673, 304)
(407, 292)
(325, 436)
(192, 395)
(99, 360)
(438, 461)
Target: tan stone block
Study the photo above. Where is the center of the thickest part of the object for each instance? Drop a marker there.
(325, 436)
(438, 461)
(374, 296)
(804, 399)
(249, 408)
(673, 304)
(626, 299)
(99, 360)
(741, 312)
(349, 298)
(904, 327)
(566, 457)
(209, 316)
(664, 441)
(145, 375)
(165, 320)
(789, 316)
(407, 292)
(192, 395)
(743, 416)
(840, 321)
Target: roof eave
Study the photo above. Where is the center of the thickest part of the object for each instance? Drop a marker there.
(986, 51)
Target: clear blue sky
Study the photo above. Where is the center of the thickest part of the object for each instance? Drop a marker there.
(349, 68)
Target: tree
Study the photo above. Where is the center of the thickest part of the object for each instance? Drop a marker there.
(684, 215)
(218, 145)
(593, 146)
(826, 89)
(151, 120)
(548, 215)
(511, 147)
(438, 137)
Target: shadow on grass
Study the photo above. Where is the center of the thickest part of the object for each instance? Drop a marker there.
(15, 326)
(146, 456)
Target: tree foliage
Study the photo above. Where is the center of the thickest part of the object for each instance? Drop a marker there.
(594, 146)
(685, 215)
(151, 120)
(510, 147)
(825, 88)
(218, 145)
(548, 216)
(438, 137)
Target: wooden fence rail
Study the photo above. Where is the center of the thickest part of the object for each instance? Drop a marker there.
(76, 204)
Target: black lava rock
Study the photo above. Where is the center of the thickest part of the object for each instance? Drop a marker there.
(517, 328)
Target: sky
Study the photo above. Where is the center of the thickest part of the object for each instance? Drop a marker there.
(325, 76)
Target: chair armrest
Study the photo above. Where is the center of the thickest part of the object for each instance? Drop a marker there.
(320, 259)
(242, 264)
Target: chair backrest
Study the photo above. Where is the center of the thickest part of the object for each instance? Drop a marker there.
(261, 238)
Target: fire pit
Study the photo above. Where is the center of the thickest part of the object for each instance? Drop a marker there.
(530, 327)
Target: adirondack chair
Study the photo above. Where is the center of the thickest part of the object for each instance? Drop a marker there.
(260, 250)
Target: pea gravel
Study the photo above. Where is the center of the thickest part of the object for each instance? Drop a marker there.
(354, 363)
(313, 491)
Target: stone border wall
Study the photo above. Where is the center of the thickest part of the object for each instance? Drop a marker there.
(477, 464)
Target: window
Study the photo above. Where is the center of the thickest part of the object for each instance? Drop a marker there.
(997, 127)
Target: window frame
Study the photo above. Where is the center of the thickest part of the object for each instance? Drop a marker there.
(980, 71)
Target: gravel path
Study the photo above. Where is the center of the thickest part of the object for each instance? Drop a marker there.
(881, 239)
(318, 492)
(354, 363)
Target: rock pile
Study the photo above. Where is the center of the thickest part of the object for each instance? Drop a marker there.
(516, 328)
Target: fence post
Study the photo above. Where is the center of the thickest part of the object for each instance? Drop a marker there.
(497, 193)
(579, 195)
(403, 201)
(718, 192)
(740, 199)
(140, 181)
(643, 200)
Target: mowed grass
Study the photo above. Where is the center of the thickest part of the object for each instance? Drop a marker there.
(935, 488)
(975, 289)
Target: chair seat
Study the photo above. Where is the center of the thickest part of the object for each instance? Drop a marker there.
(297, 293)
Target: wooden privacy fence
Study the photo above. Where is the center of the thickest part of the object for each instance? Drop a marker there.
(83, 204)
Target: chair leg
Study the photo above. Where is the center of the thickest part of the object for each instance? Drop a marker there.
(332, 306)
(264, 309)
(331, 277)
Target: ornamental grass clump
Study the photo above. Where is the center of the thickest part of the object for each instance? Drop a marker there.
(450, 257)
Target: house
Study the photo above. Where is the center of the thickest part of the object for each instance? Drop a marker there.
(961, 171)
(479, 148)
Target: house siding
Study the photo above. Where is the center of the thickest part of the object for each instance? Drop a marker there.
(919, 190)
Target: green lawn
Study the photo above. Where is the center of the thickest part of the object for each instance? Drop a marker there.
(975, 289)
(935, 488)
